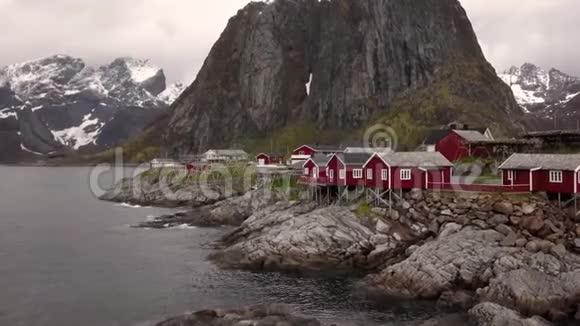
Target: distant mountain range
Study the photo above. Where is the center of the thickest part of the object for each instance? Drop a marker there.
(551, 96)
(58, 104)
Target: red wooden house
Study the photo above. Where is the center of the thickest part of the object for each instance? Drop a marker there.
(346, 169)
(551, 173)
(305, 152)
(315, 170)
(457, 144)
(269, 159)
(407, 170)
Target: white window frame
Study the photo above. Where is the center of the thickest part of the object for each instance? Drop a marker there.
(357, 173)
(315, 172)
(331, 174)
(369, 174)
(301, 153)
(406, 175)
(556, 176)
(306, 171)
(510, 175)
(342, 174)
(385, 174)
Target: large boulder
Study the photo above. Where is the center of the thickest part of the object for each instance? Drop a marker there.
(491, 314)
(295, 236)
(534, 292)
(437, 266)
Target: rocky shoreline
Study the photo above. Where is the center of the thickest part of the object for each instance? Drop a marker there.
(506, 260)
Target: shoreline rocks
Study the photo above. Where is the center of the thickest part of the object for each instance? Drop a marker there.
(297, 236)
(254, 315)
(228, 212)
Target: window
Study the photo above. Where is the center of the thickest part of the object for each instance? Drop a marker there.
(315, 172)
(306, 171)
(342, 174)
(384, 175)
(369, 174)
(357, 173)
(331, 174)
(556, 177)
(301, 153)
(510, 175)
(405, 174)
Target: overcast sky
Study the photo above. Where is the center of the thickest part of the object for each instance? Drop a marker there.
(177, 34)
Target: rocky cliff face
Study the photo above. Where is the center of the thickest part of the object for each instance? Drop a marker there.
(551, 96)
(58, 103)
(338, 64)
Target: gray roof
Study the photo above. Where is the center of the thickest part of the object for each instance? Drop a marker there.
(354, 159)
(229, 152)
(471, 135)
(368, 150)
(326, 148)
(417, 159)
(321, 160)
(564, 162)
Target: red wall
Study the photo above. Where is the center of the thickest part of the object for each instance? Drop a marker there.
(453, 147)
(307, 151)
(541, 181)
(521, 177)
(377, 165)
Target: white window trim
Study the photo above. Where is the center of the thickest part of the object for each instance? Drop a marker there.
(315, 173)
(369, 174)
(331, 174)
(510, 175)
(342, 174)
(306, 171)
(406, 174)
(384, 174)
(556, 177)
(357, 173)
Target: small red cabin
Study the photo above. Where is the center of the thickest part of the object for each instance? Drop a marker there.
(346, 169)
(268, 159)
(407, 170)
(316, 169)
(551, 173)
(457, 144)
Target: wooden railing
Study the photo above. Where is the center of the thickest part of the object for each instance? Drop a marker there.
(313, 181)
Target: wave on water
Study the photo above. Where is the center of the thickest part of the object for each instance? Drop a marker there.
(185, 227)
(127, 205)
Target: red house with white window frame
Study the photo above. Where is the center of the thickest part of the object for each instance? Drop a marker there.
(551, 173)
(407, 170)
(315, 170)
(346, 169)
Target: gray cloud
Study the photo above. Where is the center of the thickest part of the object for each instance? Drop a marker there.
(178, 34)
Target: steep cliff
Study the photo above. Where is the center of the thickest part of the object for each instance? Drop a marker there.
(338, 64)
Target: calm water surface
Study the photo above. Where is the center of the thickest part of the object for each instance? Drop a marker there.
(67, 258)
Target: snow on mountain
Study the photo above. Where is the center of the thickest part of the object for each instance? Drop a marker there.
(171, 93)
(547, 94)
(62, 102)
(534, 85)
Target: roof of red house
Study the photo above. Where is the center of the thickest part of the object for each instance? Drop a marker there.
(416, 159)
(565, 162)
(354, 159)
(471, 135)
(320, 160)
(325, 148)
